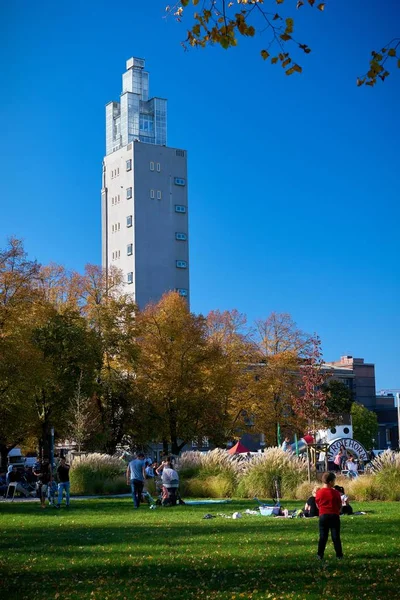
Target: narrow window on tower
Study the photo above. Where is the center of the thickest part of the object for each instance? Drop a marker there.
(129, 221)
(112, 229)
(119, 226)
(182, 237)
(129, 249)
(158, 194)
(181, 291)
(129, 193)
(151, 166)
(130, 277)
(158, 167)
(179, 181)
(179, 208)
(181, 264)
(118, 171)
(152, 194)
(129, 165)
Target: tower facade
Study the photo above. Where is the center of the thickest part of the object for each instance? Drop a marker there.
(144, 194)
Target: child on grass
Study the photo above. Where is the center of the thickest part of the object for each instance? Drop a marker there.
(329, 504)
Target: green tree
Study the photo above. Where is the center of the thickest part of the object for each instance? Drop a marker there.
(18, 358)
(223, 22)
(365, 425)
(69, 357)
(180, 372)
(339, 397)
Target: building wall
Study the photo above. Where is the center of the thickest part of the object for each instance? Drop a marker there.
(145, 191)
(157, 222)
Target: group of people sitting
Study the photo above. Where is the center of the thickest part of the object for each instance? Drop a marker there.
(311, 506)
(166, 478)
(39, 481)
(345, 462)
(24, 479)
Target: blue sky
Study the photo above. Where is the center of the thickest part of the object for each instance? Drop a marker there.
(294, 181)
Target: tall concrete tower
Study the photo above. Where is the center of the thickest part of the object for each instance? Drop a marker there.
(144, 194)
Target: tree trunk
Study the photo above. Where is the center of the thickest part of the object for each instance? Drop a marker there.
(3, 456)
(165, 446)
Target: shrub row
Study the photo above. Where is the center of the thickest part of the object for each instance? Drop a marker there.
(217, 474)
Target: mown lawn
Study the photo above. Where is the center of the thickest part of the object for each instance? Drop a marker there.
(103, 549)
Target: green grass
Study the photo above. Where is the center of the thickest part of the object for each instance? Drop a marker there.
(104, 549)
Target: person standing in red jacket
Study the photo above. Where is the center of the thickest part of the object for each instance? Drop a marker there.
(329, 504)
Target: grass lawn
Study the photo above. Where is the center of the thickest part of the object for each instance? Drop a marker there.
(104, 549)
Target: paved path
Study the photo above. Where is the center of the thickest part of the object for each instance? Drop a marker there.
(73, 498)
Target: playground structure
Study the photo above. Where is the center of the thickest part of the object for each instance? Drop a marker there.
(322, 448)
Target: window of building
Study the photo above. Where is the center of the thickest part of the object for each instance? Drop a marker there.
(179, 208)
(179, 181)
(112, 201)
(205, 442)
(113, 255)
(182, 292)
(346, 430)
(146, 123)
(129, 193)
(158, 194)
(180, 153)
(129, 249)
(130, 277)
(118, 171)
(158, 167)
(112, 229)
(181, 264)
(129, 165)
(118, 226)
(119, 198)
(182, 237)
(119, 253)
(152, 195)
(129, 221)
(151, 166)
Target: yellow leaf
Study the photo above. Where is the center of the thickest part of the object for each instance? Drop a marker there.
(297, 68)
(321, 6)
(195, 2)
(311, 2)
(274, 60)
(285, 37)
(264, 54)
(360, 82)
(286, 62)
(392, 52)
(290, 71)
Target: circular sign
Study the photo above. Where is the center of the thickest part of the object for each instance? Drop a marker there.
(349, 444)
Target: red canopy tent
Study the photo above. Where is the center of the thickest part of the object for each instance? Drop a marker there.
(238, 448)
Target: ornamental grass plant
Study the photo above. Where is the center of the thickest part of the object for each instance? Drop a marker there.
(386, 470)
(97, 474)
(273, 465)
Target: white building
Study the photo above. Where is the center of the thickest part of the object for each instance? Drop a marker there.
(144, 194)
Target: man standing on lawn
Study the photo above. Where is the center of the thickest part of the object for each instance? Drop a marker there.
(63, 482)
(135, 475)
(329, 502)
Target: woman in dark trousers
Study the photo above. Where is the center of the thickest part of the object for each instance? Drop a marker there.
(329, 504)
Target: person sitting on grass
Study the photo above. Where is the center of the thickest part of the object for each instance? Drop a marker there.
(329, 504)
(311, 508)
